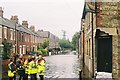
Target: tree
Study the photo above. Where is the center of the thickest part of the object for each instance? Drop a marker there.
(75, 40)
(6, 49)
(45, 44)
(65, 44)
(42, 48)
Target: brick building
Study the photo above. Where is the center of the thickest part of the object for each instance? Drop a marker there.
(47, 36)
(23, 38)
(100, 36)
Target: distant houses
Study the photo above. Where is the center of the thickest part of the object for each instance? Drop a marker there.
(23, 37)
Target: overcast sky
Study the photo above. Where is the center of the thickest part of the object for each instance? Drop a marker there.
(49, 15)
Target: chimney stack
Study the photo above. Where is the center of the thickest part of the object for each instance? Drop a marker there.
(25, 24)
(1, 12)
(14, 19)
(32, 28)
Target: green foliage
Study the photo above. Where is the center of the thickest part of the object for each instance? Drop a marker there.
(42, 48)
(65, 44)
(44, 51)
(45, 44)
(75, 40)
(38, 52)
(41, 51)
(6, 49)
(39, 47)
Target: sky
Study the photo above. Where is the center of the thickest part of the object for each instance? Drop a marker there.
(49, 15)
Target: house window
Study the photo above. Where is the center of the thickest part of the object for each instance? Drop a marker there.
(24, 49)
(20, 47)
(11, 34)
(14, 34)
(19, 36)
(13, 48)
(0, 31)
(89, 47)
(22, 37)
(28, 38)
(5, 32)
(31, 38)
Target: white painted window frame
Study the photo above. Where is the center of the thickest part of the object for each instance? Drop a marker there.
(1, 31)
(5, 35)
(11, 35)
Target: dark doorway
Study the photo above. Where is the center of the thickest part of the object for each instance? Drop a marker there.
(104, 53)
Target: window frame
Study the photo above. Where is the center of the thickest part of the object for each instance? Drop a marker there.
(1, 31)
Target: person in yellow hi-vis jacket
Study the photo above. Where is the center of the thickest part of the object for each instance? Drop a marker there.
(32, 69)
(41, 67)
(12, 69)
(26, 66)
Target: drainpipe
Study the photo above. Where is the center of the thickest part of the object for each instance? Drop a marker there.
(92, 51)
(15, 41)
(15, 44)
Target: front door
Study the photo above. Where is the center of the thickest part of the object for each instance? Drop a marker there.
(104, 53)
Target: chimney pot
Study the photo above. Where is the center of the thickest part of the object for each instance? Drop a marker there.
(25, 24)
(32, 28)
(14, 19)
(1, 12)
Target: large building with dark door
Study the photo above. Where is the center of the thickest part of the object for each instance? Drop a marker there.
(100, 39)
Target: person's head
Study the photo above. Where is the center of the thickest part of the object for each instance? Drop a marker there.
(20, 57)
(33, 57)
(11, 60)
(40, 56)
(37, 54)
(29, 57)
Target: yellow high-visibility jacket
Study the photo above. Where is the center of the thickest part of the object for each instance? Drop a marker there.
(32, 68)
(26, 66)
(41, 67)
(11, 71)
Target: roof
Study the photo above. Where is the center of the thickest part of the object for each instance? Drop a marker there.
(43, 34)
(26, 30)
(31, 32)
(7, 22)
(21, 28)
(87, 8)
(83, 14)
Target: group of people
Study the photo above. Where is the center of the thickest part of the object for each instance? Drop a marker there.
(31, 66)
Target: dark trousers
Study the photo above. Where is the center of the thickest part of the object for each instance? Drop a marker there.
(26, 76)
(21, 77)
(33, 76)
(11, 78)
(41, 77)
(21, 74)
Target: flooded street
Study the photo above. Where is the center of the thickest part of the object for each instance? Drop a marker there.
(62, 66)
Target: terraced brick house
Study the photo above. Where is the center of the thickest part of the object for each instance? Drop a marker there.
(23, 38)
